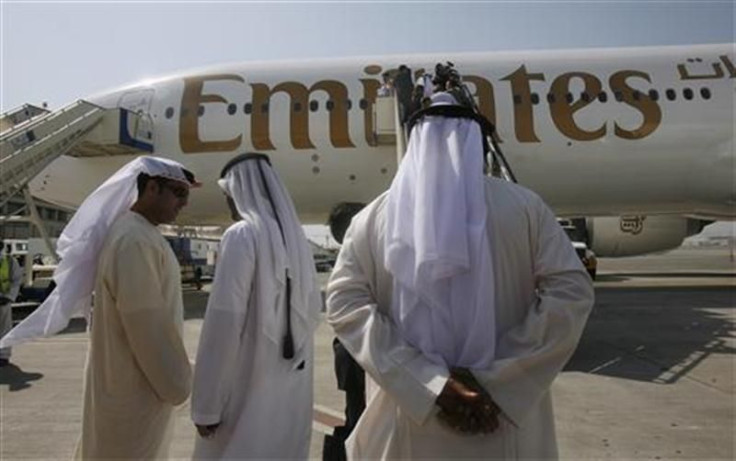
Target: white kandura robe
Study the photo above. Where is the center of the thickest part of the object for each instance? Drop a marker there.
(542, 295)
(137, 367)
(263, 401)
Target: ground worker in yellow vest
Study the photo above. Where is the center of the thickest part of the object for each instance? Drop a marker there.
(11, 276)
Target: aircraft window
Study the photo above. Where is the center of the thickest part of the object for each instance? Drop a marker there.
(602, 96)
(363, 104)
(550, 98)
(169, 112)
(688, 93)
(297, 107)
(585, 96)
(653, 95)
(619, 96)
(313, 106)
(231, 109)
(330, 105)
(705, 93)
(517, 99)
(200, 111)
(569, 98)
(248, 108)
(535, 98)
(671, 95)
(264, 108)
(637, 95)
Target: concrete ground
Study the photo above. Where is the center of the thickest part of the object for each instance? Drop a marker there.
(653, 377)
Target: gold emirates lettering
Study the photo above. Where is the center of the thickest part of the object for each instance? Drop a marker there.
(562, 110)
(299, 120)
(523, 112)
(191, 99)
(643, 103)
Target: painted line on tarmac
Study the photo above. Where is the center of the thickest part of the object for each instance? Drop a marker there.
(327, 417)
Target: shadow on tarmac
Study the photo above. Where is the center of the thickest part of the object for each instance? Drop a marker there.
(655, 334)
(16, 379)
(76, 325)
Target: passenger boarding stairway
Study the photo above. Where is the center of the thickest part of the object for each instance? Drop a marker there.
(390, 131)
(31, 138)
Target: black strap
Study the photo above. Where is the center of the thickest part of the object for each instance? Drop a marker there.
(288, 341)
(456, 111)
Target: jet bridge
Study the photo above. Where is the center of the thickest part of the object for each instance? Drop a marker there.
(32, 137)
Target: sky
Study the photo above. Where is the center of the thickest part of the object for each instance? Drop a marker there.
(61, 51)
(57, 52)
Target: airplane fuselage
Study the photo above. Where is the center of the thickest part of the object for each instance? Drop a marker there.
(595, 132)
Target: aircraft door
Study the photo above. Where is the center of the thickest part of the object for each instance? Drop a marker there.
(139, 102)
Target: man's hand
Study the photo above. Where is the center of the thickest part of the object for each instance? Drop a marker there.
(466, 406)
(207, 431)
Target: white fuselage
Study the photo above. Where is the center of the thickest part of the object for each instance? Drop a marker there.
(597, 132)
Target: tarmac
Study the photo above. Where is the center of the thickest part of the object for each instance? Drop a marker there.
(652, 378)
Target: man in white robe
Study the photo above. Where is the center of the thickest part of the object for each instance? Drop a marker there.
(451, 269)
(252, 390)
(137, 367)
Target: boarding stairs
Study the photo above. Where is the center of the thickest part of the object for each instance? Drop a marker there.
(32, 137)
(389, 131)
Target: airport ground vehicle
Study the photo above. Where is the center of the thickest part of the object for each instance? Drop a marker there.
(196, 256)
(587, 257)
(577, 237)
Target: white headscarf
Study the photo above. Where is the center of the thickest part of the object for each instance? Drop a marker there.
(244, 183)
(436, 246)
(80, 244)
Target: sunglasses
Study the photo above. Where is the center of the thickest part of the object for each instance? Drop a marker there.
(179, 192)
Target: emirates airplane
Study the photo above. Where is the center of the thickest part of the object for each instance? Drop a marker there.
(637, 141)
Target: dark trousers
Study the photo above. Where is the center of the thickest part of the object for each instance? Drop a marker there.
(351, 379)
(6, 324)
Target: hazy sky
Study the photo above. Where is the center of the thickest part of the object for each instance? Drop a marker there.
(60, 51)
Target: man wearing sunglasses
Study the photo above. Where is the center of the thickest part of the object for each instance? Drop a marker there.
(137, 368)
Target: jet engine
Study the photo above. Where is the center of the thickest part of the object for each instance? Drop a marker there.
(638, 235)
